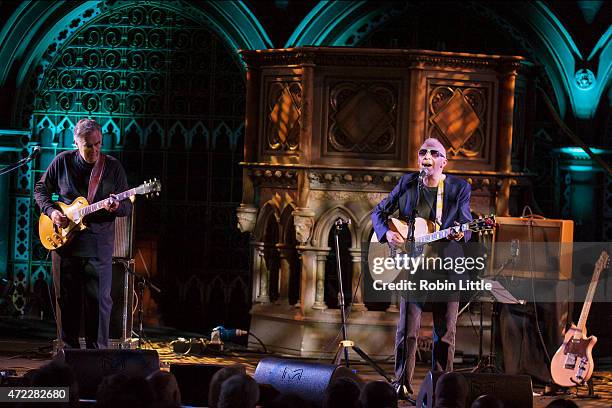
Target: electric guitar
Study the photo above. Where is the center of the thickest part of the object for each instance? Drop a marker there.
(53, 237)
(572, 364)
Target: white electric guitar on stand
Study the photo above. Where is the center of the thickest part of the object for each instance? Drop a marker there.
(572, 364)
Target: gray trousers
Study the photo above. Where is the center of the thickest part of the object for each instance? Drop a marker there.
(84, 284)
(444, 330)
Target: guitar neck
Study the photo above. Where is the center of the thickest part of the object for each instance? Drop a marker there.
(586, 308)
(438, 235)
(100, 204)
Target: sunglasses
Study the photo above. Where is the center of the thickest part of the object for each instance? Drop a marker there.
(434, 153)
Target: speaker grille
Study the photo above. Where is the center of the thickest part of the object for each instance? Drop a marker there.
(123, 236)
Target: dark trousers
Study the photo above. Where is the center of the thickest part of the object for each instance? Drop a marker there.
(84, 286)
(444, 330)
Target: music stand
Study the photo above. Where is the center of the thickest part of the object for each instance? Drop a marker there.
(497, 294)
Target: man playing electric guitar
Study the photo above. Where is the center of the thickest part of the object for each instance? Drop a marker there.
(82, 269)
(444, 200)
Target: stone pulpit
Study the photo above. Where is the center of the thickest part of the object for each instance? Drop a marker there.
(329, 132)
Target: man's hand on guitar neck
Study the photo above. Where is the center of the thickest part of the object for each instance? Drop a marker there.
(455, 235)
(112, 203)
(59, 219)
(394, 239)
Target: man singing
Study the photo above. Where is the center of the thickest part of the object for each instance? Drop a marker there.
(444, 200)
(85, 263)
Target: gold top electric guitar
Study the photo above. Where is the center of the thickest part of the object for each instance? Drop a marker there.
(573, 364)
(53, 237)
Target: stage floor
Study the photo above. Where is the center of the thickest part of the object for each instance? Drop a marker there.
(23, 353)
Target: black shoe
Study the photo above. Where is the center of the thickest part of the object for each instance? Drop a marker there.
(404, 393)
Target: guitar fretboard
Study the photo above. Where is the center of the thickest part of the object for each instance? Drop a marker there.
(435, 236)
(100, 204)
(586, 308)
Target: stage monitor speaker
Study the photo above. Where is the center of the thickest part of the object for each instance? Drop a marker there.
(552, 259)
(91, 366)
(193, 381)
(304, 379)
(514, 391)
(122, 293)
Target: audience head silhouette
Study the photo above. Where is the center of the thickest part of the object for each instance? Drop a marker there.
(238, 391)
(378, 394)
(57, 374)
(165, 388)
(214, 389)
(343, 392)
(124, 390)
(451, 391)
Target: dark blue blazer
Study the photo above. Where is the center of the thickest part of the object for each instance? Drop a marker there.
(456, 203)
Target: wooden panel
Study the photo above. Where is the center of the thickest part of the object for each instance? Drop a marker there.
(281, 115)
(461, 113)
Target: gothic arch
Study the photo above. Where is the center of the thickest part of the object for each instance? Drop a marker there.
(366, 227)
(544, 37)
(326, 222)
(270, 212)
(37, 29)
(286, 222)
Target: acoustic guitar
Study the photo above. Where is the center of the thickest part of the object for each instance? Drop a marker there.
(425, 233)
(573, 364)
(53, 237)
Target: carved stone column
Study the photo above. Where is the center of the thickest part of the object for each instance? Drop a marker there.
(308, 273)
(284, 274)
(358, 305)
(319, 303)
(257, 254)
(264, 278)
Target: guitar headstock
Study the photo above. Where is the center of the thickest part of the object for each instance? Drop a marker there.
(602, 262)
(149, 188)
(483, 224)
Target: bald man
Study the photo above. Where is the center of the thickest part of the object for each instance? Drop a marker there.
(406, 196)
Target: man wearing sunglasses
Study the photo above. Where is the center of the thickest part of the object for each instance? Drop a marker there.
(444, 200)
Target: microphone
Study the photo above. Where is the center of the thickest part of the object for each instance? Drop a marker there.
(342, 221)
(220, 334)
(422, 176)
(35, 152)
(514, 248)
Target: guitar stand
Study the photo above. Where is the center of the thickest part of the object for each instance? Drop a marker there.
(345, 344)
(591, 390)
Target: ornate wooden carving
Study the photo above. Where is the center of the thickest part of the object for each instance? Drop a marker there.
(282, 115)
(362, 117)
(460, 116)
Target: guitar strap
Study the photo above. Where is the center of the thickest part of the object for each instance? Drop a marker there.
(96, 176)
(440, 202)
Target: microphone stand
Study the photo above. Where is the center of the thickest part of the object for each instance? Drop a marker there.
(345, 344)
(21, 162)
(402, 389)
